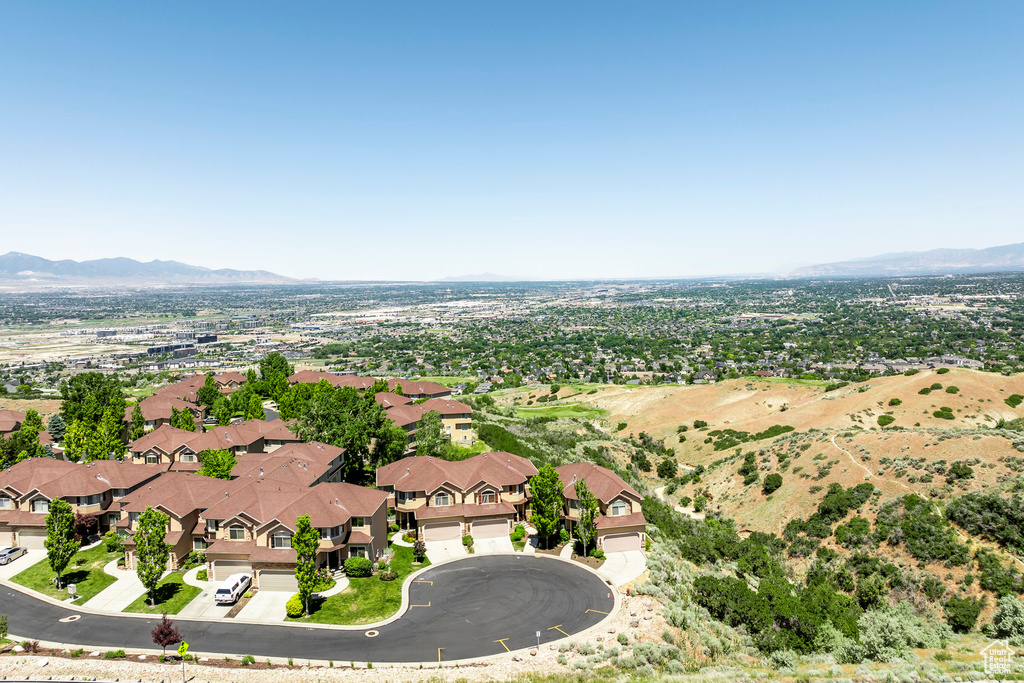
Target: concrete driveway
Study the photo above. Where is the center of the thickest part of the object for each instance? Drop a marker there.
(621, 568)
(439, 551)
(22, 563)
(493, 546)
(265, 607)
(204, 607)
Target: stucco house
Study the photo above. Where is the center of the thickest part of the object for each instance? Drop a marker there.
(621, 524)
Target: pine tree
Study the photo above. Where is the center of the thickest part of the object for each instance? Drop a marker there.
(60, 541)
(151, 552)
(305, 542)
(57, 427)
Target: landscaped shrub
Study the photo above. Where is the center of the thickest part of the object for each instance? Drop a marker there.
(519, 533)
(467, 541)
(962, 613)
(419, 551)
(113, 542)
(564, 536)
(114, 654)
(201, 575)
(247, 660)
(293, 608)
(358, 567)
(885, 420)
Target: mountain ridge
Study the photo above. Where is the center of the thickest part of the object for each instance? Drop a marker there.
(29, 269)
(941, 261)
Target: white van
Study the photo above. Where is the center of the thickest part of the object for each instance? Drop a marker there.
(233, 588)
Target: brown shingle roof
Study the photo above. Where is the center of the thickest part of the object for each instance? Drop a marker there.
(413, 388)
(405, 415)
(164, 438)
(609, 522)
(427, 474)
(446, 406)
(60, 478)
(389, 400)
(465, 510)
(602, 482)
(10, 420)
(178, 492)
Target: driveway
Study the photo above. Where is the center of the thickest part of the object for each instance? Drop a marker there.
(265, 607)
(204, 607)
(493, 546)
(440, 551)
(621, 568)
(22, 563)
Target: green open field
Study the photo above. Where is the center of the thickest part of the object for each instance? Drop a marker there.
(568, 410)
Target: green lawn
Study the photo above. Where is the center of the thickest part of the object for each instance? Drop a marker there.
(367, 600)
(570, 410)
(172, 594)
(788, 380)
(85, 570)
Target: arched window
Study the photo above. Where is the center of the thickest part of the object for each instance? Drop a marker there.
(618, 508)
(487, 497)
(442, 499)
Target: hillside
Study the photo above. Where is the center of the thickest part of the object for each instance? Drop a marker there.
(1008, 257)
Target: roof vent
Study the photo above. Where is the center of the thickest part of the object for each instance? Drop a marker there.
(225, 494)
(261, 471)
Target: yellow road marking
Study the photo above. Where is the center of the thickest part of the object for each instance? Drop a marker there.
(426, 605)
(422, 581)
(439, 655)
(502, 641)
(595, 610)
(558, 628)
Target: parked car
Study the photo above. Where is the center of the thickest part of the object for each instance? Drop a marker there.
(8, 555)
(233, 588)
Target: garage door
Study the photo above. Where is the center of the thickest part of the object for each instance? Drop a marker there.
(222, 569)
(278, 580)
(442, 531)
(621, 542)
(32, 538)
(490, 528)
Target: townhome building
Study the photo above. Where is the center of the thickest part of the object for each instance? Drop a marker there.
(456, 419)
(10, 421)
(180, 448)
(444, 500)
(620, 524)
(313, 377)
(157, 410)
(417, 390)
(229, 382)
(27, 488)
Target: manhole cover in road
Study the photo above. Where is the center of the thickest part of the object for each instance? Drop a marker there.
(73, 617)
(372, 634)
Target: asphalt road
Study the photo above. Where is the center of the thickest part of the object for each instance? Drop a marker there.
(469, 606)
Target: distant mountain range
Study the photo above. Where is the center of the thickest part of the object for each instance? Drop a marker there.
(481, 277)
(26, 269)
(933, 262)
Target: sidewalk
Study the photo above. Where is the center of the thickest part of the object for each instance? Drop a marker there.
(118, 595)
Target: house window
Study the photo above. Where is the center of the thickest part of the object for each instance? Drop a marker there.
(236, 533)
(211, 525)
(358, 522)
(40, 505)
(152, 458)
(357, 551)
(6, 503)
(89, 500)
(281, 539)
(519, 489)
(464, 426)
(618, 508)
(442, 500)
(198, 543)
(573, 504)
(487, 497)
(188, 457)
(133, 518)
(404, 496)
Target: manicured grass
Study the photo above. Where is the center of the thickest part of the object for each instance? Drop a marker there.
(788, 380)
(367, 600)
(85, 571)
(172, 594)
(518, 546)
(570, 410)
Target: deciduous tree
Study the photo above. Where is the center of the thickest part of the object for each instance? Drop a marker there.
(165, 633)
(429, 437)
(217, 463)
(151, 551)
(547, 502)
(137, 425)
(305, 542)
(60, 541)
(586, 527)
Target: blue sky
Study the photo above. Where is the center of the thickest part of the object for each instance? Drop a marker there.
(543, 140)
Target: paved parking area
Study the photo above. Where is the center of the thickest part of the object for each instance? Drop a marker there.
(493, 546)
(265, 607)
(22, 563)
(621, 568)
(440, 551)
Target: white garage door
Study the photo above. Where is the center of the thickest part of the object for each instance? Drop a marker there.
(442, 531)
(278, 580)
(32, 538)
(222, 569)
(618, 543)
(490, 528)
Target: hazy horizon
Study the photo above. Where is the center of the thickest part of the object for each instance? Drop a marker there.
(575, 141)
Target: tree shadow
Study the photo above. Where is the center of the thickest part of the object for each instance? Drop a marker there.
(166, 592)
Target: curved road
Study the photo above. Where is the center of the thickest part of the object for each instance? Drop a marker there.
(470, 605)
